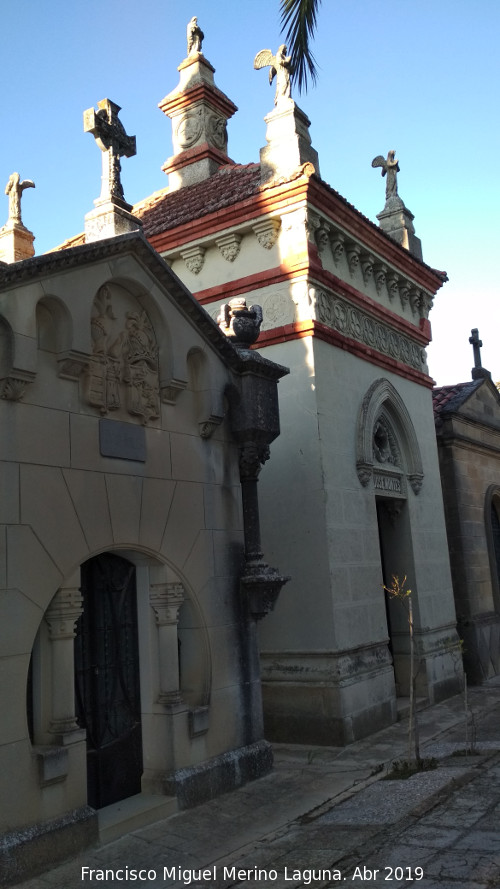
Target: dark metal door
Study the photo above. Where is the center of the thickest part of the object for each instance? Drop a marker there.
(107, 679)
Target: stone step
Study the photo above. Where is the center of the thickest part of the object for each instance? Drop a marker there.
(132, 813)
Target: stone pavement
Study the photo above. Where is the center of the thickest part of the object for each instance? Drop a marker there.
(324, 818)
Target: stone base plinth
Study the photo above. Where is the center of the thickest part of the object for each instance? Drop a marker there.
(16, 242)
(197, 784)
(108, 220)
(289, 143)
(397, 221)
(334, 698)
(481, 647)
(25, 853)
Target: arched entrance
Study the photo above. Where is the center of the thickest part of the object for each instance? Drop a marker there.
(107, 691)
(388, 461)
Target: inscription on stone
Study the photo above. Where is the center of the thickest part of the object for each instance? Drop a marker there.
(122, 440)
(388, 484)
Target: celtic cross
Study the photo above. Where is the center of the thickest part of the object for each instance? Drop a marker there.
(114, 143)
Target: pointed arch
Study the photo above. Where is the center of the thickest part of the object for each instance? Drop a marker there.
(383, 400)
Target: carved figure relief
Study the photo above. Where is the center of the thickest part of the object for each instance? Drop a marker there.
(189, 128)
(217, 131)
(123, 370)
(385, 447)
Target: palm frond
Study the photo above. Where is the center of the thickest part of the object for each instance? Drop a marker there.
(299, 18)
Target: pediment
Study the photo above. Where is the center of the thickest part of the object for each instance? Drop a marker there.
(481, 405)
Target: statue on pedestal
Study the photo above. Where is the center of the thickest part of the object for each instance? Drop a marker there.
(280, 66)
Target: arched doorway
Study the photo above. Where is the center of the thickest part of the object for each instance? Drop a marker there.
(107, 689)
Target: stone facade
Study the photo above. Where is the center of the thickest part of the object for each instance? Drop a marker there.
(126, 417)
(468, 435)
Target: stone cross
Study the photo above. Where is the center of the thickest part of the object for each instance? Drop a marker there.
(478, 371)
(476, 344)
(113, 141)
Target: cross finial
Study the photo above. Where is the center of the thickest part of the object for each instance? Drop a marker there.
(113, 141)
(478, 371)
(476, 344)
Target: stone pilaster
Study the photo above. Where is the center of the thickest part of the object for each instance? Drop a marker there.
(165, 599)
(61, 617)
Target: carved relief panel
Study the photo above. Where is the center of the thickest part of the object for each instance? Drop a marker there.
(123, 373)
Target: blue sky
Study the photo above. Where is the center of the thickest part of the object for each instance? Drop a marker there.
(421, 77)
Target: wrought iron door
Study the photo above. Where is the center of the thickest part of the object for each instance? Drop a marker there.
(107, 679)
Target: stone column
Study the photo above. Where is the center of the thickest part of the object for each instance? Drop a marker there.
(166, 599)
(61, 617)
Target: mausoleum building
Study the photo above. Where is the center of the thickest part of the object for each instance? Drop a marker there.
(346, 307)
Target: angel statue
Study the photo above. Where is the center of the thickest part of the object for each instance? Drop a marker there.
(14, 189)
(390, 167)
(279, 66)
(194, 37)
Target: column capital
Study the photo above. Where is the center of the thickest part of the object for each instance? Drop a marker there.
(165, 600)
(63, 613)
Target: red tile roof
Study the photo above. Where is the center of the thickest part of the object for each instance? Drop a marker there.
(447, 399)
(166, 210)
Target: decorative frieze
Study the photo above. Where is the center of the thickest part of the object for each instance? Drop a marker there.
(340, 315)
(194, 259)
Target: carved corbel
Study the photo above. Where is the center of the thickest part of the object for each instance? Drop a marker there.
(425, 305)
(337, 245)
(267, 232)
(13, 387)
(364, 471)
(322, 236)
(353, 253)
(404, 294)
(416, 480)
(392, 286)
(415, 300)
(229, 246)
(367, 262)
(72, 364)
(207, 427)
(170, 391)
(380, 274)
(194, 258)
(312, 224)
